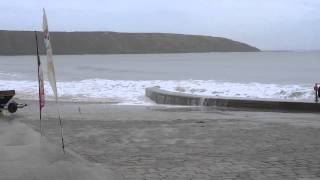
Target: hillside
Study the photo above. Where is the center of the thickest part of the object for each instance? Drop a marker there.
(23, 43)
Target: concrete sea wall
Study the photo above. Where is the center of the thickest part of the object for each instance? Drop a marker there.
(173, 98)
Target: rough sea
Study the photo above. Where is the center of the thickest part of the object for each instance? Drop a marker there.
(122, 79)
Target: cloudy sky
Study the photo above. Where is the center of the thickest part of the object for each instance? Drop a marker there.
(267, 24)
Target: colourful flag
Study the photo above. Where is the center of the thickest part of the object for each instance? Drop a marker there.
(40, 77)
(41, 85)
(47, 44)
(40, 82)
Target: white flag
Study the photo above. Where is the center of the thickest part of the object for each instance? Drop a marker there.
(47, 44)
(51, 74)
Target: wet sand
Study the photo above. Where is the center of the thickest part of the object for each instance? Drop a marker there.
(160, 142)
(24, 154)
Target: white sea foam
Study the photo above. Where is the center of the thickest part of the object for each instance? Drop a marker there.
(132, 92)
(4, 75)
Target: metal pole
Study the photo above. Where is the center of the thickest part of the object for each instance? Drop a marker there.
(38, 62)
(61, 126)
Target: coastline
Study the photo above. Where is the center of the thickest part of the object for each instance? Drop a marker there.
(118, 43)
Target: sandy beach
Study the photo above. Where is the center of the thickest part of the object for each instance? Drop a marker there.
(106, 141)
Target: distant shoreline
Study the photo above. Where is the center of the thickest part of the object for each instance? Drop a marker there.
(163, 53)
(290, 51)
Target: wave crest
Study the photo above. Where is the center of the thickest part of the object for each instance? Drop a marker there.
(132, 92)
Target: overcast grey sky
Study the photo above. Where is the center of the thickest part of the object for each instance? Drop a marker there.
(267, 24)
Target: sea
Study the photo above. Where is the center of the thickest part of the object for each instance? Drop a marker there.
(122, 78)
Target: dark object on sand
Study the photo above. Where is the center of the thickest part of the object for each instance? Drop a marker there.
(317, 92)
(7, 103)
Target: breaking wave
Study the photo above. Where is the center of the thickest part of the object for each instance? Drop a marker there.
(132, 92)
(4, 75)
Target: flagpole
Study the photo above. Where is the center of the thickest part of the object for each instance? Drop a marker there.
(39, 83)
(51, 73)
